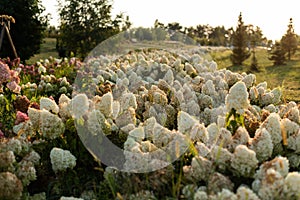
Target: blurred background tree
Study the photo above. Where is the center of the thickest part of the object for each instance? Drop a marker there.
(240, 42)
(27, 32)
(85, 24)
(277, 54)
(289, 41)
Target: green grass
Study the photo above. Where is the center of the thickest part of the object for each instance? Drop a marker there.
(47, 49)
(285, 76)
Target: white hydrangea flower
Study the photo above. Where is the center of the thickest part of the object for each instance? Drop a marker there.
(79, 105)
(49, 104)
(147, 146)
(169, 77)
(213, 66)
(246, 193)
(159, 97)
(226, 194)
(161, 135)
(189, 190)
(216, 113)
(41, 68)
(33, 157)
(271, 185)
(249, 80)
(7, 159)
(115, 109)
(137, 134)
(185, 122)
(237, 98)
(64, 99)
(14, 145)
(61, 159)
(64, 111)
(97, 123)
(217, 182)
(51, 126)
(221, 156)
(289, 127)
(202, 149)
(105, 105)
(26, 172)
(189, 69)
(276, 93)
(262, 145)
(201, 168)
(213, 134)
(241, 136)
(34, 116)
(279, 164)
(231, 78)
(291, 187)
(273, 126)
(294, 160)
(271, 108)
(208, 88)
(200, 195)
(199, 133)
(244, 161)
(294, 115)
(128, 100)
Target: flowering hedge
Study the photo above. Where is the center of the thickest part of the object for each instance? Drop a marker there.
(237, 140)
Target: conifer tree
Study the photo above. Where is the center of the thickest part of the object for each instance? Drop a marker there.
(289, 40)
(277, 54)
(240, 43)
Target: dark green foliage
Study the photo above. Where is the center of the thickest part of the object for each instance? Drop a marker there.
(240, 42)
(85, 24)
(27, 32)
(277, 54)
(289, 41)
(254, 63)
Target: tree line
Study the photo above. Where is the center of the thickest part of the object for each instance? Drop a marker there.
(84, 24)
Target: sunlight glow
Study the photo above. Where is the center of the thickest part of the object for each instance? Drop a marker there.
(271, 16)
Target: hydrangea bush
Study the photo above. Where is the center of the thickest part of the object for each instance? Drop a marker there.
(237, 139)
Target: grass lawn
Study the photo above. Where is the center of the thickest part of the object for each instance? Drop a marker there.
(47, 49)
(285, 76)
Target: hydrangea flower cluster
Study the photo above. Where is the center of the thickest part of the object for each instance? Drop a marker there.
(17, 167)
(160, 106)
(61, 160)
(9, 78)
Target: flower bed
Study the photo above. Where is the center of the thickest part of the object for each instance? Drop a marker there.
(181, 129)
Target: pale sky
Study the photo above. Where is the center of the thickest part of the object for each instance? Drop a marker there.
(271, 16)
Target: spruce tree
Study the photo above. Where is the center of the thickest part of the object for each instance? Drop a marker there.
(289, 40)
(277, 54)
(240, 43)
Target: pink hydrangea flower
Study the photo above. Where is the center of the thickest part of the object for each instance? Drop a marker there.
(5, 74)
(14, 87)
(1, 134)
(21, 117)
(14, 76)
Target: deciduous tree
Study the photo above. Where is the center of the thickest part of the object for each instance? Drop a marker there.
(85, 24)
(27, 32)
